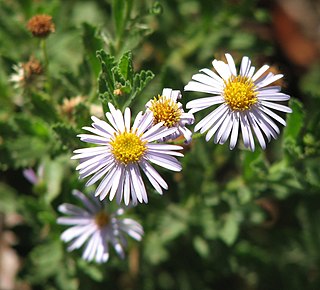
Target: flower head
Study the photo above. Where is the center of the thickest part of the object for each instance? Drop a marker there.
(166, 109)
(96, 228)
(41, 25)
(32, 176)
(27, 73)
(68, 106)
(245, 100)
(124, 150)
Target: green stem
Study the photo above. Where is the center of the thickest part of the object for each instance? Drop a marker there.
(43, 45)
(128, 102)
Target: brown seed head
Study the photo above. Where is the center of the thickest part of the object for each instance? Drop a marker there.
(31, 68)
(41, 25)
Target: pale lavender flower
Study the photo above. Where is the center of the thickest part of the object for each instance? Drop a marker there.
(245, 100)
(166, 108)
(32, 176)
(94, 228)
(125, 150)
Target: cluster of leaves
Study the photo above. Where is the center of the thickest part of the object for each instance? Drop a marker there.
(230, 219)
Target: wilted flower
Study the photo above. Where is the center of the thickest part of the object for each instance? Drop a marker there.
(244, 99)
(27, 73)
(96, 228)
(36, 178)
(32, 176)
(169, 111)
(41, 25)
(68, 105)
(123, 151)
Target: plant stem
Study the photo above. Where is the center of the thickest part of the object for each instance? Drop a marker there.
(43, 45)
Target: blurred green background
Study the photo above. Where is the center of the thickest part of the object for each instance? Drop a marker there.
(231, 219)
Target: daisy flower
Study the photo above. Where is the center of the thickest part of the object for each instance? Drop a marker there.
(122, 152)
(166, 109)
(245, 99)
(95, 228)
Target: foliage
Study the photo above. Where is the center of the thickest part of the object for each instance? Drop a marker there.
(230, 220)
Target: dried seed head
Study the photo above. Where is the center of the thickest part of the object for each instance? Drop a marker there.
(68, 105)
(31, 68)
(27, 73)
(41, 25)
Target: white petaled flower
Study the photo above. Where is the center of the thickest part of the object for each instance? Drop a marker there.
(125, 150)
(245, 100)
(18, 77)
(166, 109)
(95, 228)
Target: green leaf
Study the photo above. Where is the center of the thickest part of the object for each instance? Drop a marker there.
(309, 83)
(53, 175)
(230, 229)
(32, 126)
(106, 78)
(8, 199)
(92, 43)
(43, 108)
(93, 271)
(46, 260)
(154, 249)
(106, 81)
(82, 115)
(67, 135)
(119, 8)
(294, 120)
(141, 79)
(26, 150)
(292, 130)
(201, 246)
(253, 164)
(120, 76)
(126, 66)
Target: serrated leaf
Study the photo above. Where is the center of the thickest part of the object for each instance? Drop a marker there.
(42, 107)
(141, 79)
(67, 135)
(106, 79)
(126, 66)
(120, 76)
(26, 150)
(92, 42)
(82, 115)
(31, 126)
(106, 98)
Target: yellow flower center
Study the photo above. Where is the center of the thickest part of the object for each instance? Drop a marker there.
(101, 219)
(127, 147)
(239, 93)
(165, 110)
